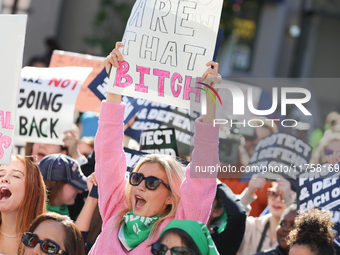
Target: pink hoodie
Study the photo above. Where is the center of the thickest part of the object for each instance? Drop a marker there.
(197, 194)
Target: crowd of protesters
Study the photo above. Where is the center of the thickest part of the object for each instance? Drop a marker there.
(48, 206)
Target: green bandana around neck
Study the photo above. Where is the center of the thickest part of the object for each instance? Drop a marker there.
(220, 222)
(63, 210)
(135, 229)
(198, 232)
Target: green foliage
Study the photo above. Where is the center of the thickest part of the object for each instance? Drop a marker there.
(227, 18)
(109, 24)
(111, 18)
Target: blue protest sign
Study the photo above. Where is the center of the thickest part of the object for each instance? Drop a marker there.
(279, 155)
(319, 188)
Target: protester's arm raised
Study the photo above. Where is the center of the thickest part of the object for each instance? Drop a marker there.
(84, 219)
(110, 157)
(198, 189)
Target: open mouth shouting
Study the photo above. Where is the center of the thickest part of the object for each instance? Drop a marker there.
(277, 207)
(139, 202)
(5, 193)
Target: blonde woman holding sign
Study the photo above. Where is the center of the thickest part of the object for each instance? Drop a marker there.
(157, 192)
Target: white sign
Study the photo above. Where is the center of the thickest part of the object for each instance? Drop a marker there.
(12, 31)
(47, 98)
(167, 44)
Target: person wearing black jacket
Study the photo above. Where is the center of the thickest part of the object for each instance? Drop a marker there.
(227, 221)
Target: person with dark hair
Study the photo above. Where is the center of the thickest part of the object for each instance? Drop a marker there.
(185, 237)
(52, 233)
(22, 199)
(227, 221)
(312, 234)
(286, 225)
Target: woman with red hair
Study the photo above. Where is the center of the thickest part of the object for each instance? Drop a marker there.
(22, 199)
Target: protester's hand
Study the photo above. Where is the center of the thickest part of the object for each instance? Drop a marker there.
(255, 184)
(333, 158)
(284, 189)
(114, 57)
(243, 155)
(90, 181)
(71, 142)
(211, 77)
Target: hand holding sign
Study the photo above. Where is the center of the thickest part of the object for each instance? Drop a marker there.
(90, 181)
(113, 58)
(211, 77)
(71, 143)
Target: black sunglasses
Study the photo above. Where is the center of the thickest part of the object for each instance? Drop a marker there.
(161, 249)
(151, 182)
(48, 247)
(274, 195)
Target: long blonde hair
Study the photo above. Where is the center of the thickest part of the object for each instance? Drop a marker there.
(175, 174)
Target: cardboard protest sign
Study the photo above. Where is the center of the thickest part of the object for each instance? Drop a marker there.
(132, 157)
(99, 87)
(159, 141)
(86, 100)
(12, 29)
(152, 115)
(155, 115)
(279, 155)
(47, 97)
(319, 188)
(167, 44)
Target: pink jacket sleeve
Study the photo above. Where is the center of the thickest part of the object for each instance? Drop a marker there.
(110, 165)
(199, 188)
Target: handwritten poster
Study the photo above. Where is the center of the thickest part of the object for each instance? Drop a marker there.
(47, 98)
(86, 100)
(12, 30)
(167, 45)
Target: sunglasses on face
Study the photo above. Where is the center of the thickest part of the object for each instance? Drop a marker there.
(48, 247)
(274, 195)
(161, 249)
(151, 182)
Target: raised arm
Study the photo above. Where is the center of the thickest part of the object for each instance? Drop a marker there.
(199, 188)
(110, 157)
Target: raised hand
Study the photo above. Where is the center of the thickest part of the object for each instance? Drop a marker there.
(114, 57)
(211, 77)
(255, 184)
(113, 60)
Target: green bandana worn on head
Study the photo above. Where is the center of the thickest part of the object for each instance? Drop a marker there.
(198, 232)
(135, 229)
(63, 210)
